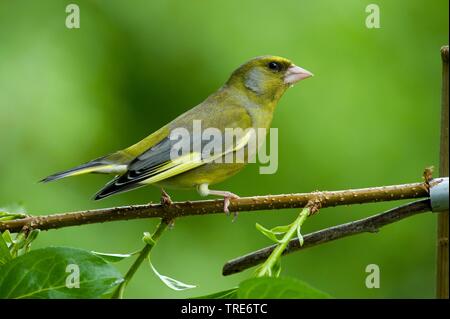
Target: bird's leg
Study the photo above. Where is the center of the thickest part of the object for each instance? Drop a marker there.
(165, 202)
(203, 190)
(165, 198)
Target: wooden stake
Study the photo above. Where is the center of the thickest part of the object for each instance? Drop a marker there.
(443, 221)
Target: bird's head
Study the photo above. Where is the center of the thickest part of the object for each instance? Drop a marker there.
(267, 76)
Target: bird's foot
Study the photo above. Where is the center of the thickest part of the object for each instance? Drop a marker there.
(203, 190)
(226, 201)
(165, 198)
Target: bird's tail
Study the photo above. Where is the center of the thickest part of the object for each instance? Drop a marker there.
(102, 165)
(112, 188)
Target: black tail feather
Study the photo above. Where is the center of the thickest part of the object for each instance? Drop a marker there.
(71, 171)
(114, 188)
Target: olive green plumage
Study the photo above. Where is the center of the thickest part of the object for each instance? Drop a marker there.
(246, 100)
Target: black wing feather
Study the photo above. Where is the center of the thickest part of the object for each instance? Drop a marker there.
(139, 169)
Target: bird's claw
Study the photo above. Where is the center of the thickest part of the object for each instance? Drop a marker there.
(165, 198)
(226, 204)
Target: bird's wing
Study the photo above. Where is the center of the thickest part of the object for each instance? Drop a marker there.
(114, 163)
(155, 164)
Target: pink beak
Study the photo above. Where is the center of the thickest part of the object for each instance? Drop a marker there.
(295, 73)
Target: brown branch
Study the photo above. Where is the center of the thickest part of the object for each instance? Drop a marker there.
(369, 224)
(180, 209)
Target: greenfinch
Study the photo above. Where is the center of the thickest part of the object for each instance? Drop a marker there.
(246, 100)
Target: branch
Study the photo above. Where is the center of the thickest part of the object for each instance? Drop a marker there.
(143, 255)
(272, 264)
(369, 224)
(203, 207)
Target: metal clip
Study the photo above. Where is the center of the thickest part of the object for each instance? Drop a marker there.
(439, 195)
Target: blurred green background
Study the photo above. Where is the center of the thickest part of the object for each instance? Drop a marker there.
(369, 117)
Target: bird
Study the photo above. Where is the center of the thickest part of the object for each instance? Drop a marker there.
(246, 100)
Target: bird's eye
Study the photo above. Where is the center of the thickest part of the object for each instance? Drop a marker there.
(274, 66)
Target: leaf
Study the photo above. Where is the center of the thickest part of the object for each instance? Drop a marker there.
(112, 258)
(5, 215)
(30, 238)
(18, 244)
(49, 272)
(278, 288)
(279, 230)
(7, 237)
(268, 233)
(269, 287)
(11, 217)
(299, 235)
(276, 268)
(225, 294)
(170, 282)
(5, 255)
(148, 239)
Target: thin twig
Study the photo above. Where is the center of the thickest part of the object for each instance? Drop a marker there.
(180, 209)
(369, 224)
(143, 254)
(271, 265)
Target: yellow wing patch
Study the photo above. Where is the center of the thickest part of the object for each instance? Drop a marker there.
(175, 167)
(189, 161)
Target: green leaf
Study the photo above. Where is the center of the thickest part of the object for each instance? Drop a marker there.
(112, 258)
(276, 268)
(10, 217)
(278, 288)
(148, 239)
(268, 233)
(32, 235)
(18, 244)
(225, 294)
(170, 282)
(5, 255)
(50, 272)
(7, 237)
(279, 230)
(299, 235)
(30, 238)
(5, 215)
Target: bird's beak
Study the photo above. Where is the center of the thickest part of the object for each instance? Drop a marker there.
(295, 73)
